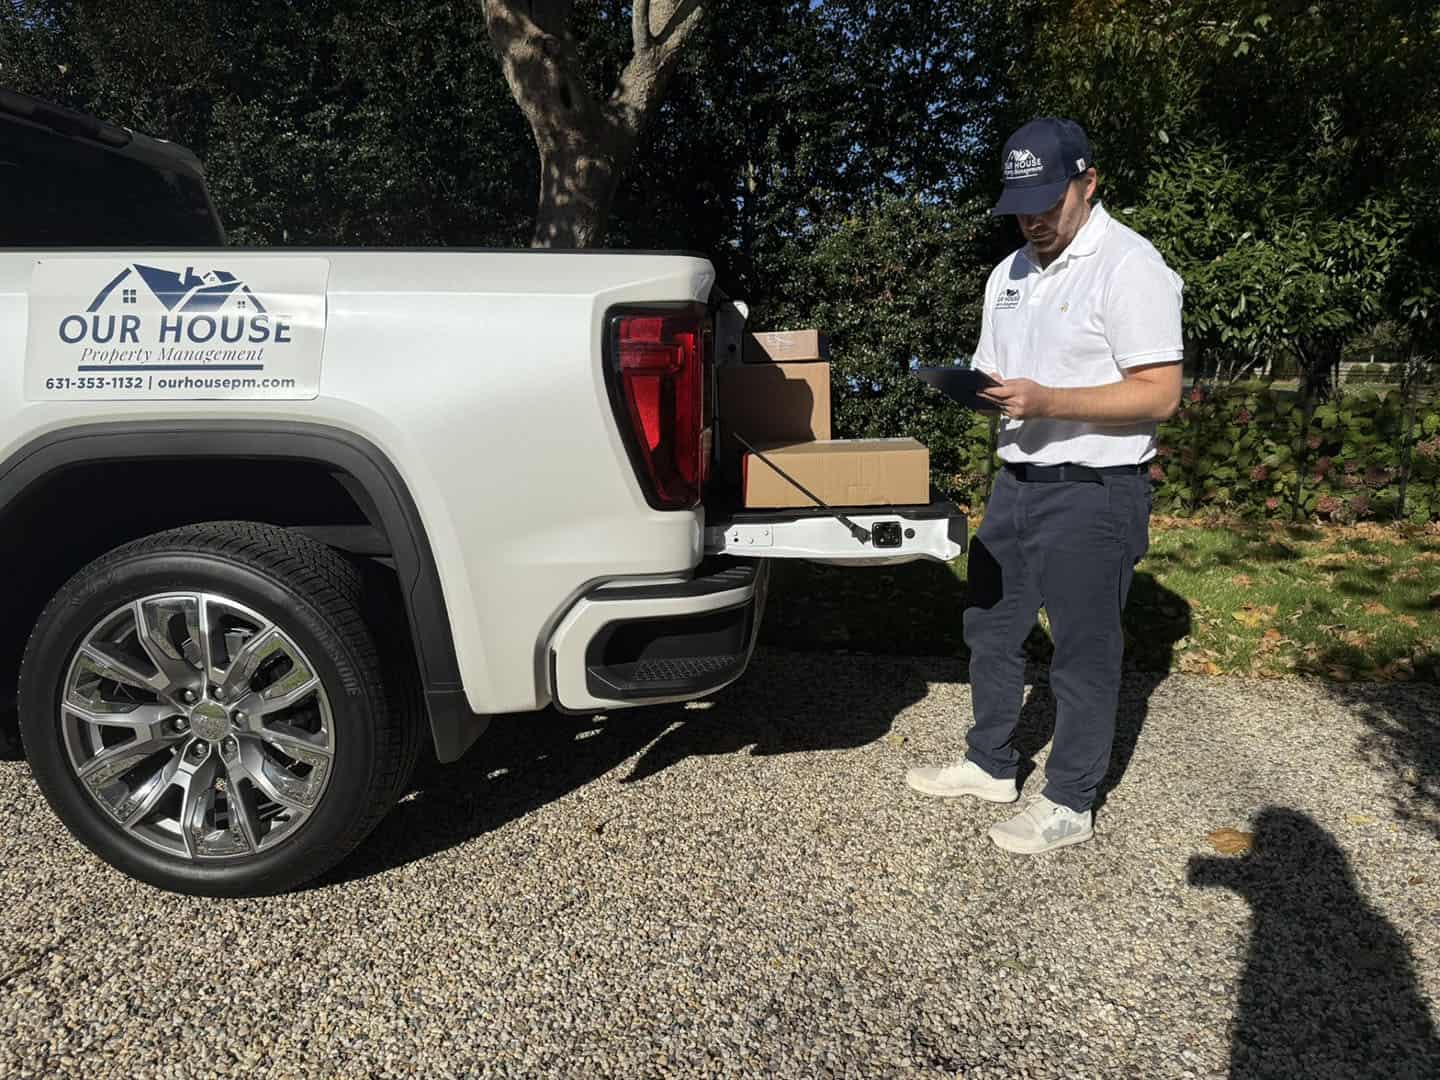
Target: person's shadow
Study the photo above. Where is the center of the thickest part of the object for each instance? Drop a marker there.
(1156, 618)
(1330, 988)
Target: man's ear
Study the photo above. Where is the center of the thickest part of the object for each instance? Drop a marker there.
(1092, 181)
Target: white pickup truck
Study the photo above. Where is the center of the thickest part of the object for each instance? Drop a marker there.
(269, 516)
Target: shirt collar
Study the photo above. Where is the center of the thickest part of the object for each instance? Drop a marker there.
(1086, 242)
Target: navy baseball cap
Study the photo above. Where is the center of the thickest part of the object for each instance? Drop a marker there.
(1039, 161)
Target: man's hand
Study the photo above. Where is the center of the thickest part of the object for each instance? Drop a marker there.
(1021, 399)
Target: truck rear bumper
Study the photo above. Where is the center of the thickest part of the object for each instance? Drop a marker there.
(623, 644)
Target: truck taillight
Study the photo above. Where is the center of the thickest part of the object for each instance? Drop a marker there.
(658, 377)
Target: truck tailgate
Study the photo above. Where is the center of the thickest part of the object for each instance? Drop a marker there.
(859, 536)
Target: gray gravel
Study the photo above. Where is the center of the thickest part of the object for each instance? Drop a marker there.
(748, 889)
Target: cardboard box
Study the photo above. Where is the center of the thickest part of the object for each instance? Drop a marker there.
(773, 403)
(844, 473)
(787, 346)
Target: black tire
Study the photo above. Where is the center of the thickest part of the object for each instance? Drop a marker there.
(318, 598)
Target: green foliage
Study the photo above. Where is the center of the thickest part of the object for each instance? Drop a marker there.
(894, 286)
(1279, 153)
(836, 160)
(1248, 451)
(338, 122)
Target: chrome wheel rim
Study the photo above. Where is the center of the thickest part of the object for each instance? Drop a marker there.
(198, 726)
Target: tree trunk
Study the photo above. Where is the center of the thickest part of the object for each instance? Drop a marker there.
(577, 184)
(585, 142)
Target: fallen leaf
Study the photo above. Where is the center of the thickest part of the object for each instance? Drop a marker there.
(1231, 841)
(1249, 616)
(1407, 620)
(1360, 819)
(1417, 880)
(1340, 674)
(1374, 608)
(1243, 580)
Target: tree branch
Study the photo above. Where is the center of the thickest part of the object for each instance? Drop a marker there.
(542, 67)
(680, 25)
(642, 83)
(640, 25)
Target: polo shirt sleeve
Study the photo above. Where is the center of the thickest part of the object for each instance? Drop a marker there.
(983, 359)
(1142, 311)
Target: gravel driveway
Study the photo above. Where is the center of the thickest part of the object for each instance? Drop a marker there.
(749, 889)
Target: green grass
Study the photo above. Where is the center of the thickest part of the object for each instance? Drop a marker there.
(1341, 603)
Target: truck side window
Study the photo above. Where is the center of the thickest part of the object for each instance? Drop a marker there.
(69, 192)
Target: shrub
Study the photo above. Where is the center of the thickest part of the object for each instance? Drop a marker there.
(1247, 450)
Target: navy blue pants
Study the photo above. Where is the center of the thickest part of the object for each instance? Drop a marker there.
(1070, 547)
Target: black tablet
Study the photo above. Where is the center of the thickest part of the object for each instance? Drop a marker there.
(962, 385)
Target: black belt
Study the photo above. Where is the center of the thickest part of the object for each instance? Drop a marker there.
(1085, 474)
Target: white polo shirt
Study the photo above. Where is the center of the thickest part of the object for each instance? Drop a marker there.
(1107, 303)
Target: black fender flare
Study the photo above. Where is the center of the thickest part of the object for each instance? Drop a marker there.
(385, 497)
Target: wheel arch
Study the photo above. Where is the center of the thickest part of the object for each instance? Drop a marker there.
(365, 472)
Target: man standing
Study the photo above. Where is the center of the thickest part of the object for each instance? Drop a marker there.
(1081, 327)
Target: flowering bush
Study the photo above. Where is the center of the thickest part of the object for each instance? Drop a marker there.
(1248, 451)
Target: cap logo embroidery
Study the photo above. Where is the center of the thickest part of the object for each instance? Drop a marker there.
(1022, 165)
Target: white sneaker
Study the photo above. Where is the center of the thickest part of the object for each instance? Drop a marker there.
(962, 778)
(1043, 826)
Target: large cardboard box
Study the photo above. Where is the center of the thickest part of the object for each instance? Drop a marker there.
(769, 404)
(843, 473)
(786, 346)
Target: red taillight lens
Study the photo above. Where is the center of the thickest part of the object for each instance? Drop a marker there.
(660, 361)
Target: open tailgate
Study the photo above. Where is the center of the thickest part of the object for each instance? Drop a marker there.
(859, 536)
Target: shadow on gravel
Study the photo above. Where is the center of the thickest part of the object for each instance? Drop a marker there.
(786, 703)
(1330, 988)
(10, 736)
(1149, 656)
(1402, 737)
(916, 609)
(789, 703)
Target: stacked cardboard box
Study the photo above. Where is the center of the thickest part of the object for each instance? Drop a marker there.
(780, 394)
(843, 472)
(778, 400)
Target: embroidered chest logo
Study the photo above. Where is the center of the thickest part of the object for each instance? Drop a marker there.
(1010, 298)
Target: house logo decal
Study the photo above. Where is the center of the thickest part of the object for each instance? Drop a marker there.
(151, 305)
(187, 291)
(175, 326)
